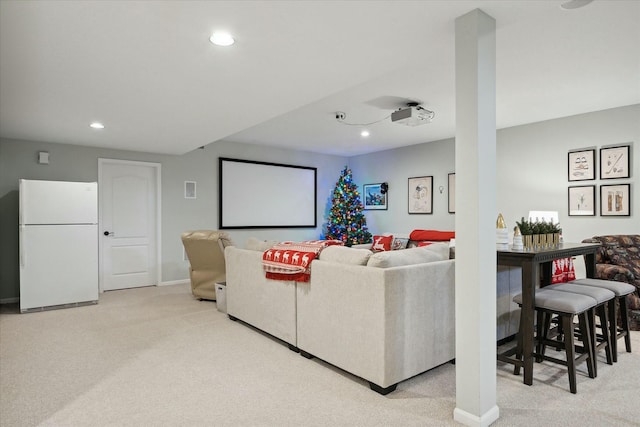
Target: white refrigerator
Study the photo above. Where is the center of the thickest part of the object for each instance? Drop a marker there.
(58, 234)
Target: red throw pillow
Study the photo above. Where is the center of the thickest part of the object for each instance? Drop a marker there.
(557, 271)
(570, 272)
(562, 271)
(424, 244)
(433, 235)
(381, 243)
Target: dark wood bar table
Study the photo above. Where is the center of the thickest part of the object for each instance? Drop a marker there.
(536, 264)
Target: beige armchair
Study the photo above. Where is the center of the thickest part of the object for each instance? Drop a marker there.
(205, 250)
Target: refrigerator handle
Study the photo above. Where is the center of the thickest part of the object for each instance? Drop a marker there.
(22, 194)
(21, 243)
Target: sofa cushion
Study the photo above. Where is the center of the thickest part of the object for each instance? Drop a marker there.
(440, 248)
(405, 257)
(254, 244)
(612, 245)
(619, 256)
(399, 243)
(634, 267)
(345, 255)
(382, 243)
(432, 235)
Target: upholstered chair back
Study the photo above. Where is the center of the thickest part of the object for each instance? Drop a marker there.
(205, 250)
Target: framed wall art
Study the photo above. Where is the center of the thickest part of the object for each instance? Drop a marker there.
(615, 200)
(375, 198)
(582, 165)
(614, 162)
(582, 200)
(452, 193)
(421, 195)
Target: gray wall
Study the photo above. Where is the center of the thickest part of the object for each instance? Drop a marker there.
(532, 169)
(532, 175)
(395, 167)
(18, 159)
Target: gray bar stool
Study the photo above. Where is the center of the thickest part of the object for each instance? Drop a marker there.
(604, 298)
(566, 306)
(616, 331)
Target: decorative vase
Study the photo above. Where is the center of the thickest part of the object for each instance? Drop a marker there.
(536, 241)
(502, 233)
(549, 241)
(517, 239)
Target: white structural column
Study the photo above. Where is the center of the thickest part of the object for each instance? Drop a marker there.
(475, 220)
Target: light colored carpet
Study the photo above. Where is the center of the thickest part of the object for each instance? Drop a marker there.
(158, 357)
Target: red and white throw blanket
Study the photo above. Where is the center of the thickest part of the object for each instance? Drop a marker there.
(292, 260)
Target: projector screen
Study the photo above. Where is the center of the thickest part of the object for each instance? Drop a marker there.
(266, 195)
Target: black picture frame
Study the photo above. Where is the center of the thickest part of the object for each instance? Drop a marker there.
(615, 162)
(615, 200)
(451, 200)
(420, 195)
(581, 165)
(581, 200)
(374, 197)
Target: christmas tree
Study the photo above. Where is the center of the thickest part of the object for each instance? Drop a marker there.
(346, 220)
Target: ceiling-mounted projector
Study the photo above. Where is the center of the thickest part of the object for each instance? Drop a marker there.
(412, 115)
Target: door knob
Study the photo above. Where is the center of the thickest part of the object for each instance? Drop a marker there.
(108, 233)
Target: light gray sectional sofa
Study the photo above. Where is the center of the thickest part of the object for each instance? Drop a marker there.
(384, 317)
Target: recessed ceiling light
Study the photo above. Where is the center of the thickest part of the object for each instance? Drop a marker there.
(222, 39)
(97, 125)
(364, 133)
(575, 4)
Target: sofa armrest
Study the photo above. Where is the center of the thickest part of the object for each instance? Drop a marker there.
(614, 272)
(269, 305)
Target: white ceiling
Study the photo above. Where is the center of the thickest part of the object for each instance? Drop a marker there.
(147, 70)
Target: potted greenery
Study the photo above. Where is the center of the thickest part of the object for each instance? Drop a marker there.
(539, 233)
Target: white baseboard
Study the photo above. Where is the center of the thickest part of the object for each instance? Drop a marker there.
(174, 282)
(169, 283)
(469, 419)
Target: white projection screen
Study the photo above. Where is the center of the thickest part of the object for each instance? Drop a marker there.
(266, 195)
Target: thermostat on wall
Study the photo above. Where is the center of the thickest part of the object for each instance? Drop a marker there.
(189, 190)
(43, 158)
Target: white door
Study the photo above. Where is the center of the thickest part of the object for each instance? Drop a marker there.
(129, 224)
